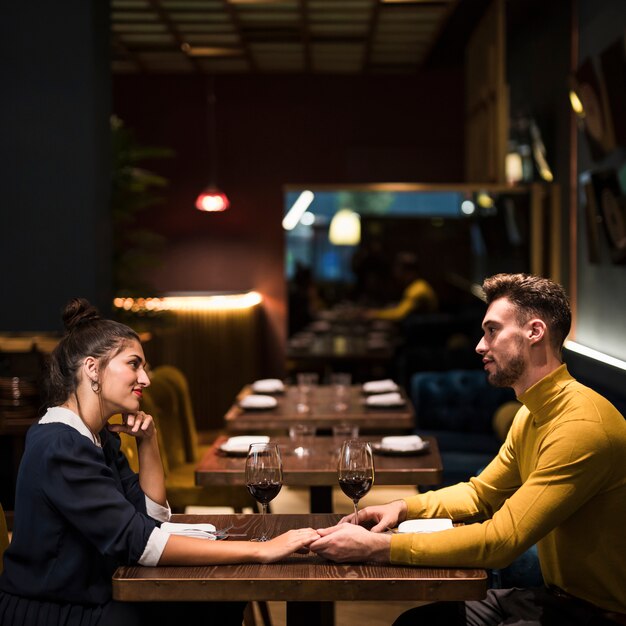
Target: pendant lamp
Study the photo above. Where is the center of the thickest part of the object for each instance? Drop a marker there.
(212, 199)
(345, 228)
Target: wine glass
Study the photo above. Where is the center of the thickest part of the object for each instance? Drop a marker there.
(356, 471)
(264, 476)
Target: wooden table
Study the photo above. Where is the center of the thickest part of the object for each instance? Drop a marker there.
(308, 583)
(323, 414)
(318, 470)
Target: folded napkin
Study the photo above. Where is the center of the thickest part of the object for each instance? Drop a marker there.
(268, 385)
(425, 525)
(408, 442)
(380, 386)
(242, 442)
(257, 402)
(385, 399)
(202, 531)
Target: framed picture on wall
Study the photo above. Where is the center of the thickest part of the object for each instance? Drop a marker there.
(612, 208)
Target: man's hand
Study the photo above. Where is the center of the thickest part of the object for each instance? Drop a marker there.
(384, 516)
(351, 543)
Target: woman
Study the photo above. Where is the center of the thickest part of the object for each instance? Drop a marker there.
(80, 511)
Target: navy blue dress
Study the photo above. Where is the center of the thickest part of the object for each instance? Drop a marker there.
(79, 513)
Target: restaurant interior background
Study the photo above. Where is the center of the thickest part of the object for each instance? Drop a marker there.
(281, 131)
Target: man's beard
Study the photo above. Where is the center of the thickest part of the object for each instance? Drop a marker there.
(509, 373)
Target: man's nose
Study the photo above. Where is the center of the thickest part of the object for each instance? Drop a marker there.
(480, 347)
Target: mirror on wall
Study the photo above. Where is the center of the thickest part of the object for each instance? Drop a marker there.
(342, 243)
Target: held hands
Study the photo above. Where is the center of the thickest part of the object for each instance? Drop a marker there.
(349, 542)
(139, 425)
(280, 547)
(384, 516)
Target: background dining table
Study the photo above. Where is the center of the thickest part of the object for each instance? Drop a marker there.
(322, 414)
(308, 583)
(318, 469)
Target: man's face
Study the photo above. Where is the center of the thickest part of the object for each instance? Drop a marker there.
(502, 347)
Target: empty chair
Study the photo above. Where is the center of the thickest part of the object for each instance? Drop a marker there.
(4, 536)
(167, 399)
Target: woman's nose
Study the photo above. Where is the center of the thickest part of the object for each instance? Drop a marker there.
(143, 379)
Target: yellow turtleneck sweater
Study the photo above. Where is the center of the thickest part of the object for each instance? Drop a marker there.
(559, 480)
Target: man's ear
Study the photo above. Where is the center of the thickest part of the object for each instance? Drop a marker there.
(537, 330)
(90, 368)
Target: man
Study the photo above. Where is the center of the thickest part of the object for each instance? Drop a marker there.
(559, 481)
(418, 296)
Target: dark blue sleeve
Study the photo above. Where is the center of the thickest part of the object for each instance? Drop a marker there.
(117, 461)
(79, 484)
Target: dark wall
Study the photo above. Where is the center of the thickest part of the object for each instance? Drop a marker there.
(601, 284)
(273, 131)
(54, 164)
(538, 69)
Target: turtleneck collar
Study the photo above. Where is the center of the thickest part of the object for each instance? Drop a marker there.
(543, 392)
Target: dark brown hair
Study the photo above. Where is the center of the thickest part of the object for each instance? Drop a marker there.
(533, 296)
(86, 334)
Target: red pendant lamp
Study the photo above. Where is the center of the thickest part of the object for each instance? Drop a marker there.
(212, 199)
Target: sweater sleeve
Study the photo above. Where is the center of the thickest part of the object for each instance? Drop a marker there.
(79, 484)
(567, 473)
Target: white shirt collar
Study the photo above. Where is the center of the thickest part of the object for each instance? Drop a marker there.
(61, 415)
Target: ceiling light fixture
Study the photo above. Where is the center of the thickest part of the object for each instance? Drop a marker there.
(345, 228)
(212, 199)
(298, 209)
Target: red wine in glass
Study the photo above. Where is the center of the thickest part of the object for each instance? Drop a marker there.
(264, 476)
(355, 471)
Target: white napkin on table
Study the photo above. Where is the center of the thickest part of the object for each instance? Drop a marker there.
(268, 385)
(241, 443)
(201, 531)
(257, 402)
(380, 386)
(385, 399)
(402, 443)
(425, 525)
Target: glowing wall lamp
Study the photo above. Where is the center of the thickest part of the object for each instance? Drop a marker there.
(345, 228)
(211, 198)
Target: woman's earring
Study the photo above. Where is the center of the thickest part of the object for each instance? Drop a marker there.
(95, 386)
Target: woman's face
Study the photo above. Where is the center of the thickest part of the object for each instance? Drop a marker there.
(123, 380)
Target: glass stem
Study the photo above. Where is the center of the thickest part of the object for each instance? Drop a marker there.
(263, 521)
(356, 512)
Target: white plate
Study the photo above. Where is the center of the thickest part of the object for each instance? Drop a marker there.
(385, 399)
(254, 401)
(425, 525)
(380, 386)
(380, 449)
(241, 444)
(268, 385)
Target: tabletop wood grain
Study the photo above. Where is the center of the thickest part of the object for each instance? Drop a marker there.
(319, 468)
(322, 414)
(301, 578)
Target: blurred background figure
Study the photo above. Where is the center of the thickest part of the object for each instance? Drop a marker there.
(418, 295)
(304, 299)
(372, 273)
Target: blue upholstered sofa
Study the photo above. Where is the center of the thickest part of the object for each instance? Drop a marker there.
(457, 407)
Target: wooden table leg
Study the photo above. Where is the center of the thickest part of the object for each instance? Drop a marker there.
(310, 614)
(321, 499)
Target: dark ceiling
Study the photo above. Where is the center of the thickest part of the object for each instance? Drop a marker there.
(287, 36)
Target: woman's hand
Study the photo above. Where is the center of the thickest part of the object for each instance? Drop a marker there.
(384, 516)
(282, 546)
(139, 425)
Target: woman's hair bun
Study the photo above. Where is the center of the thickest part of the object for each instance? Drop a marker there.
(79, 311)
